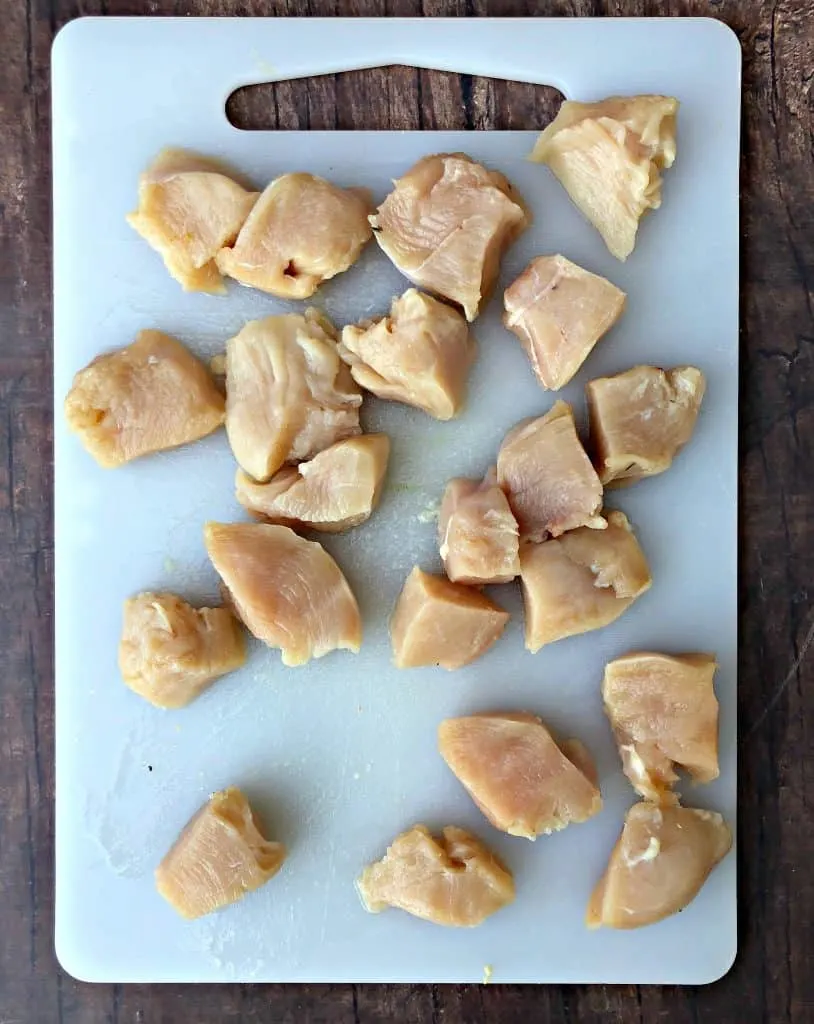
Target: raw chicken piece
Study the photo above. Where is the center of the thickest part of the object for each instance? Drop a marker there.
(664, 713)
(549, 480)
(662, 858)
(446, 225)
(188, 207)
(436, 622)
(153, 394)
(288, 394)
(477, 533)
(453, 880)
(337, 489)
(420, 354)
(302, 231)
(219, 857)
(170, 652)
(288, 591)
(581, 581)
(641, 419)
(559, 312)
(608, 157)
(518, 775)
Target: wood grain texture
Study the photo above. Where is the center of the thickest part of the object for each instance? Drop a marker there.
(773, 980)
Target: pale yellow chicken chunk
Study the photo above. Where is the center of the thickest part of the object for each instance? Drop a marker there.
(170, 652)
(446, 225)
(452, 880)
(188, 208)
(152, 395)
(658, 866)
(608, 156)
(288, 591)
(436, 622)
(512, 767)
(302, 231)
(641, 419)
(420, 354)
(559, 311)
(477, 533)
(664, 714)
(581, 581)
(219, 857)
(288, 394)
(549, 480)
(336, 490)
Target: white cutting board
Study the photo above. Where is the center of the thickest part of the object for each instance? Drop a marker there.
(340, 756)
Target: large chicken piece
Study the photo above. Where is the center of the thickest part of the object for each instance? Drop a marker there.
(609, 156)
(478, 533)
(219, 857)
(288, 591)
(662, 858)
(581, 581)
(288, 394)
(446, 225)
(188, 207)
(514, 770)
(641, 419)
(559, 312)
(452, 880)
(302, 231)
(420, 354)
(152, 395)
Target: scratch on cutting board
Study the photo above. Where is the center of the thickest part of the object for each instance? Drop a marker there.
(781, 689)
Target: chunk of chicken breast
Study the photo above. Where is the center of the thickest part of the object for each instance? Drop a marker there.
(559, 312)
(517, 774)
(549, 480)
(446, 225)
(288, 394)
(420, 355)
(188, 207)
(581, 581)
(336, 490)
(641, 419)
(453, 880)
(219, 857)
(658, 866)
(608, 156)
(302, 231)
(152, 395)
(477, 533)
(436, 622)
(288, 591)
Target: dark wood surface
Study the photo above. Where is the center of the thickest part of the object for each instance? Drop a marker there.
(773, 979)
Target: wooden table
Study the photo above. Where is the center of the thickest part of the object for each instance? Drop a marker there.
(773, 980)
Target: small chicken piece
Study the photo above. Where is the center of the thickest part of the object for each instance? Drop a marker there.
(152, 395)
(478, 533)
(336, 490)
(288, 394)
(188, 208)
(641, 419)
(288, 591)
(658, 866)
(549, 480)
(219, 857)
(453, 880)
(581, 581)
(608, 157)
(170, 652)
(436, 622)
(302, 231)
(664, 713)
(446, 225)
(559, 312)
(420, 355)
(517, 774)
